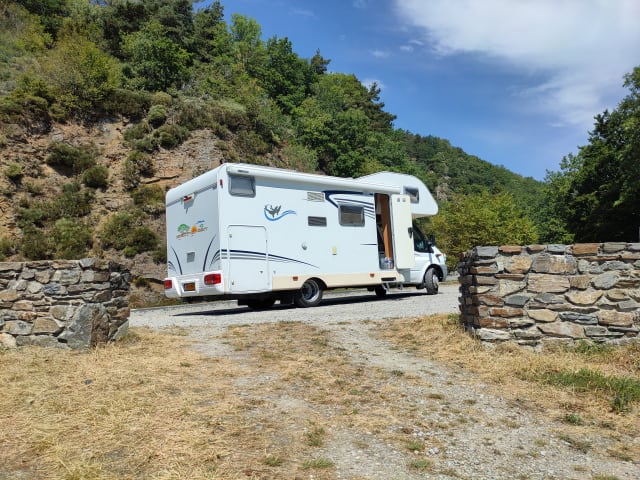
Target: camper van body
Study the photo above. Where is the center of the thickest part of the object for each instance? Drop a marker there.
(263, 234)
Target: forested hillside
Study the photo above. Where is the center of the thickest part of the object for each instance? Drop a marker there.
(104, 105)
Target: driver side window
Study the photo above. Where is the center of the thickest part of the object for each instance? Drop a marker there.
(420, 243)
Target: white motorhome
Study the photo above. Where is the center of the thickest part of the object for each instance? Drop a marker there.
(261, 234)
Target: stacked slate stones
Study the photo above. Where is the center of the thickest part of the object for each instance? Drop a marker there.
(63, 303)
(545, 294)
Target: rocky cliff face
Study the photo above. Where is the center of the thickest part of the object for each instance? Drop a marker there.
(39, 181)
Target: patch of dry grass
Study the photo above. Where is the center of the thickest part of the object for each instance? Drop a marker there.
(146, 407)
(152, 407)
(519, 374)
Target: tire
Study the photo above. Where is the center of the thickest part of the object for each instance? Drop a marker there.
(431, 281)
(263, 304)
(309, 295)
(381, 292)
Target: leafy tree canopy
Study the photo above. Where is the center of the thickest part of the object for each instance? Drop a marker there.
(597, 192)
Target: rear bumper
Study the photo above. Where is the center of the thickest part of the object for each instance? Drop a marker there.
(185, 286)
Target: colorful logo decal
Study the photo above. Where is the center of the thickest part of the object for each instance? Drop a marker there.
(272, 213)
(186, 230)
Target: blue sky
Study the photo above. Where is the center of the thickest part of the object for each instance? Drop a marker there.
(514, 82)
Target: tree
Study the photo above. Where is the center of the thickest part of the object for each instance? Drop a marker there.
(156, 62)
(210, 39)
(597, 192)
(319, 64)
(480, 220)
(81, 76)
(284, 76)
(247, 45)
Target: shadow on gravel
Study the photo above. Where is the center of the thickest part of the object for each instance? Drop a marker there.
(326, 302)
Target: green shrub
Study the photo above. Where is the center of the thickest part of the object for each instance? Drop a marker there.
(7, 248)
(161, 98)
(31, 214)
(130, 103)
(251, 143)
(34, 244)
(29, 111)
(149, 198)
(142, 239)
(115, 230)
(96, 177)
(157, 115)
(136, 165)
(147, 144)
(170, 136)
(13, 171)
(74, 201)
(28, 105)
(123, 232)
(230, 113)
(71, 159)
(71, 239)
(160, 254)
(137, 132)
(300, 158)
(193, 114)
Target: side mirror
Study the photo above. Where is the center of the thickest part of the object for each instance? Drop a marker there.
(432, 239)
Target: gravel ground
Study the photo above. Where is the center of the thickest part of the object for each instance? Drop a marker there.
(468, 430)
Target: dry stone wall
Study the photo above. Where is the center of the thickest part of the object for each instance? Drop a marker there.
(545, 294)
(64, 303)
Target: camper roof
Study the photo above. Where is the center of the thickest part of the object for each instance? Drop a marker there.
(422, 202)
(310, 178)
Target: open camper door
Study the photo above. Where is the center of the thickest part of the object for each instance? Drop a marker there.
(402, 229)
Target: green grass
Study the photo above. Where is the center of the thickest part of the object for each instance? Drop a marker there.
(273, 461)
(315, 437)
(422, 464)
(624, 391)
(318, 463)
(414, 445)
(574, 419)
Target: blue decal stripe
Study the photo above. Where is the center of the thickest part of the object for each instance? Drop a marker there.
(261, 256)
(283, 214)
(177, 260)
(204, 264)
(369, 208)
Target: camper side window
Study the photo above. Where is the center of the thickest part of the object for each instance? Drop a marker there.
(351, 216)
(241, 186)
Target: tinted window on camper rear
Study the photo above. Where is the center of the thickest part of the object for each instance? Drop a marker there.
(413, 193)
(242, 186)
(351, 216)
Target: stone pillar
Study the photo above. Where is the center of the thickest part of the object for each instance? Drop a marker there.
(63, 303)
(545, 294)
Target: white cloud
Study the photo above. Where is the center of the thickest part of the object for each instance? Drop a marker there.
(303, 12)
(380, 53)
(582, 48)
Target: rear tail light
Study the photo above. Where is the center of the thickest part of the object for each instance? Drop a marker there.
(168, 284)
(213, 279)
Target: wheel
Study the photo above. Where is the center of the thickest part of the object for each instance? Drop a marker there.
(263, 304)
(381, 292)
(431, 281)
(309, 295)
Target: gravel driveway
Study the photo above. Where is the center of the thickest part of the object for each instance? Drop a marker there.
(468, 430)
(348, 306)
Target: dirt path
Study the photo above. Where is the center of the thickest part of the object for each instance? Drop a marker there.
(327, 398)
